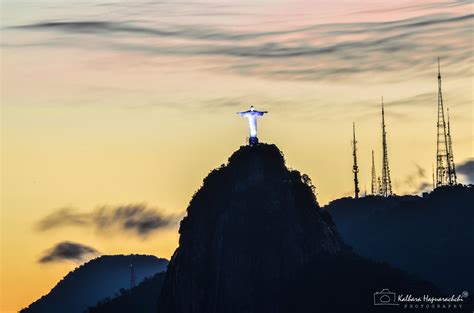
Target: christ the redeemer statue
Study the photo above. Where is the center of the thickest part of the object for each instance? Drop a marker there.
(252, 115)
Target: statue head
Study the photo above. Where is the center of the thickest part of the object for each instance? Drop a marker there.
(252, 108)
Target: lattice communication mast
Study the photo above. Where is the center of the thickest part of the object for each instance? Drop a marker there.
(386, 182)
(374, 188)
(443, 169)
(452, 179)
(433, 174)
(355, 168)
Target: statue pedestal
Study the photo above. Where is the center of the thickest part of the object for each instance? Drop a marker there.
(253, 141)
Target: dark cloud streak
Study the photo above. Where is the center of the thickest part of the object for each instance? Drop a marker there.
(102, 27)
(212, 33)
(63, 217)
(136, 219)
(68, 251)
(290, 53)
(467, 170)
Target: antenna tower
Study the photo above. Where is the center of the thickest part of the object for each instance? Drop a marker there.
(133, 282)
(355, 168)
(433, 174)
(386, 182)
(374, 177)
(442, 160)
(451, 167)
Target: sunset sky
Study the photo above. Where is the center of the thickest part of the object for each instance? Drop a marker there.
(113, 103)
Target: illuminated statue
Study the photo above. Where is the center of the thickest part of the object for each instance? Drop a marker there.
(252, 115)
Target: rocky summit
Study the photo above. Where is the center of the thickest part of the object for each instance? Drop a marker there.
(252, 223)
(255, 240)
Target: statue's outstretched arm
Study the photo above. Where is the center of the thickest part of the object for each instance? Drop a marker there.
(245, 114)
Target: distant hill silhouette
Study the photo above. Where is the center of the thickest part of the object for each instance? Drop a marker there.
(255, 240)
(95, 280)
(141, 298)
(431, 236)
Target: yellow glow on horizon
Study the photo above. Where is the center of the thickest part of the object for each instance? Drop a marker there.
(91, 126)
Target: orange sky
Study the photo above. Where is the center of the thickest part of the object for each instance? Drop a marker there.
(135, 103)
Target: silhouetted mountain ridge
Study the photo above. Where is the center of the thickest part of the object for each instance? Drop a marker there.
(431, 236)
(95, 280)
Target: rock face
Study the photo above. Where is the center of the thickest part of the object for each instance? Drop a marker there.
(253, 224)
(255, 241)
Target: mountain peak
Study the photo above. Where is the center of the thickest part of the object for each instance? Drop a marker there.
(260, 152)
(252, 222)
(255, 240)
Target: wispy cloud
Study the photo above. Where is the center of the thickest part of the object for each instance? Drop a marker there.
(136, 219)
(415, 181)
(422, 6)
(221, 34)
(423, 99)
(467, 170)
(424, 186)
(314, 52)
(186, 32)
(68, 251)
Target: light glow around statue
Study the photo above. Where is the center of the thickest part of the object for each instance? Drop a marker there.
(252, 115)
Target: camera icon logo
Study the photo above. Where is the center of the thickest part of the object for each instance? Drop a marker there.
(385, 297)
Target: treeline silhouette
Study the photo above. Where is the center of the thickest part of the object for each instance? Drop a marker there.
(142, 298)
